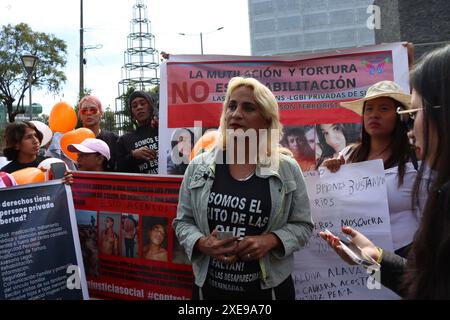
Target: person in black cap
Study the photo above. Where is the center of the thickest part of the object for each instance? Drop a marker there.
(138, 150)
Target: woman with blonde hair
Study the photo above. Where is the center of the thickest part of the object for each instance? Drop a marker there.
(243, 209)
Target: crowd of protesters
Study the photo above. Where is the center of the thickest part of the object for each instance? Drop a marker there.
(418, 196)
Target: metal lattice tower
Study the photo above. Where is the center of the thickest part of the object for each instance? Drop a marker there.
(141, 65)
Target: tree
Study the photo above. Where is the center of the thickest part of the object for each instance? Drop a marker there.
(125, 120)
(16, 41)
(43, 118)
(84, 92)
(108, 121)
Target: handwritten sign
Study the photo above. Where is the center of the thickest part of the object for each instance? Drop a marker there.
(355, 196)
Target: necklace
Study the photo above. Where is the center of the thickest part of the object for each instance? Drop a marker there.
(248, 176)
(379, 155)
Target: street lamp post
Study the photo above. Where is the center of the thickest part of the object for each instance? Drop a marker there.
(29, 62)
(201, 42)
(201, 37)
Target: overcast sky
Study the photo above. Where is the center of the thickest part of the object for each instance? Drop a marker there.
(107, 23)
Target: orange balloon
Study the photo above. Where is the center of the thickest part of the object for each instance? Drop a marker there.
(62, 118)
(74, 136)
(29, 175)
(205, 143)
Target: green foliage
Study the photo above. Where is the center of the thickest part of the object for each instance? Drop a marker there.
(108, 121)
(19, 40)
(125, 119)
(43, 118)
(85, 92)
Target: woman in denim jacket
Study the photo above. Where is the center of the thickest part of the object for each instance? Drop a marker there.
(243, 209)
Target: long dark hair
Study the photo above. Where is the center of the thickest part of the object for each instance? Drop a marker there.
(428, 272)
(14, 134)
(399, 147)
(351, 132)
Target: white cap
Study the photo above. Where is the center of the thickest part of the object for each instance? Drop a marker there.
(91, 145)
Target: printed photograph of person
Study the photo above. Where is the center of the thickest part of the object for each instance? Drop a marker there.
(294, 138)
(109, 233)
(179, 256)
(154, 240)
(87, 231)
(334, 137)
(313, 140)
(130, 223)
(182, 142)
(205, 140)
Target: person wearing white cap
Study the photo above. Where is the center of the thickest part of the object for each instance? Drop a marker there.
(93, 154)
(384, 136)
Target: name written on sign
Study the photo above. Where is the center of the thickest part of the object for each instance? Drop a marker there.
(350, 186)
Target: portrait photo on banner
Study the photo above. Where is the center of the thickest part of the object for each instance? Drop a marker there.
(87, 231)
(154, 238)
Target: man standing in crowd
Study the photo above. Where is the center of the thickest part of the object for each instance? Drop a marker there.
(90, 112)
(138, 150)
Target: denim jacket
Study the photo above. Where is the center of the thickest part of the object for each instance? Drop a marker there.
(290, 216)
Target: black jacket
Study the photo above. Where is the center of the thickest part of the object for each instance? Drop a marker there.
(111, 140)
(392, 269)
(14, 165)
(143, 136)
(393, 266)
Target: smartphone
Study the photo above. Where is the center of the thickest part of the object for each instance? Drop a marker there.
(354, 252)
(58, 169)
(222, 235)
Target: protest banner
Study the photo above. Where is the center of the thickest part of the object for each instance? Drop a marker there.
(355, 196)
(40, 256)
(129, 247)
(308, 88)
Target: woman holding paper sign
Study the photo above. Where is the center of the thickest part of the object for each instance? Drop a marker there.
(425, 275)
(258, 194)
(384, 136)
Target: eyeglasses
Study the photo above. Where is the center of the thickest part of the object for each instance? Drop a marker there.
(412, 112)
(408, 116)
(86, 111)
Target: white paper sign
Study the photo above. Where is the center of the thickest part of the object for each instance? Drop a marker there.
(355, 196)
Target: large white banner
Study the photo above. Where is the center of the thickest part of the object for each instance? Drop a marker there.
(355, 196)
(308, 88)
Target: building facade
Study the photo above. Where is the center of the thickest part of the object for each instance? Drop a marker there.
(287, 26)
(426, 24)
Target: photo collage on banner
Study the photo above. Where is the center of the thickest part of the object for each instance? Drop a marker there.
(185, 144)
(313, 144)
(129, 247)
(308, 89)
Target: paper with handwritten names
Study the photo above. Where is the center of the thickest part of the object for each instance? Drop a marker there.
(354, 196)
